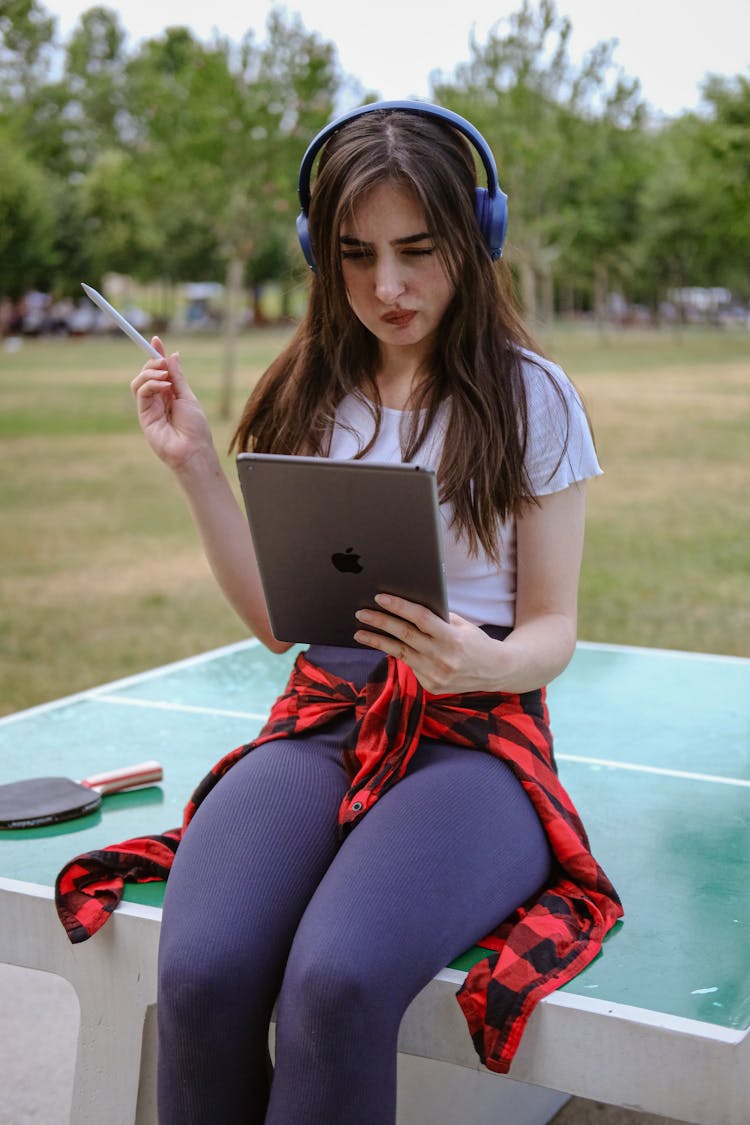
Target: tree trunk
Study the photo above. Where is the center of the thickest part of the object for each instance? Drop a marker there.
(601, 287)
(528, 288)
(548, 298)
(232, 299)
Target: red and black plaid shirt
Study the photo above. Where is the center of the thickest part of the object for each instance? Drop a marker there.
(538, 948)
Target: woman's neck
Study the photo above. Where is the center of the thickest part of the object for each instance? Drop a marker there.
(397, 378)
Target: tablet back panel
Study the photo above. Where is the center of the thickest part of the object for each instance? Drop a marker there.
(329, 535)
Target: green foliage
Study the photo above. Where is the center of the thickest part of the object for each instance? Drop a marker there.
(118, 225)
(178, 158)
(567, 140)
(171, 161)
(27, 222)
(94, 84)
(696, 195)
(216, 129)
(26, 34)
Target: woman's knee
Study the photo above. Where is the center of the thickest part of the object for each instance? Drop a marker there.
(206, 985)
(329, 986)
(190, 986)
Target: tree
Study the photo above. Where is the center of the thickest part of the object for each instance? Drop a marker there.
(179, 96)
(31, 103)
(120, 228)
(602, 211)
(27, 222)
(697, 196)
(44, 121)
(726, 136)
(95, 109)
(216, 127)
(558, 131)
(26, 47)
(179, 159)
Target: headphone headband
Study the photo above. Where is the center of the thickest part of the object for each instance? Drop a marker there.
(490, 203)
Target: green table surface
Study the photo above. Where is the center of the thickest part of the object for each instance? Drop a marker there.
(653, 747)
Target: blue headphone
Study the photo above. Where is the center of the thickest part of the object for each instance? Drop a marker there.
(490, 204)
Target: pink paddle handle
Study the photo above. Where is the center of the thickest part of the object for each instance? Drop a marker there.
(129, 777)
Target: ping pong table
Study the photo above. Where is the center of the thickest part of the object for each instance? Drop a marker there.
(654, 748)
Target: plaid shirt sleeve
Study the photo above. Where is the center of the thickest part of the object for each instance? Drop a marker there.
(541, 946)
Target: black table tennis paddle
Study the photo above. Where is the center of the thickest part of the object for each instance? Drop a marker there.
(37, 801)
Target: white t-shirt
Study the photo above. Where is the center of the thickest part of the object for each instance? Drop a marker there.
(478, 589)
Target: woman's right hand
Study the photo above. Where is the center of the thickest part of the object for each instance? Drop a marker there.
(177, 430)
(170, 415)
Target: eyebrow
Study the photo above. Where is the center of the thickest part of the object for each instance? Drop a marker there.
(348, 240)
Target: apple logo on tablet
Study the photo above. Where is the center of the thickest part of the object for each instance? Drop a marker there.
(347, 561)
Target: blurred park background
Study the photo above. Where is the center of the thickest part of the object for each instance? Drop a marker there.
(164, 173)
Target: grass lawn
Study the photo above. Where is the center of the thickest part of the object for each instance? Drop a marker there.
(101, 575)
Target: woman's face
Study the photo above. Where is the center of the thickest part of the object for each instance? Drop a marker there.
(395, 279)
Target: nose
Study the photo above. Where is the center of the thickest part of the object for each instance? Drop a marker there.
(389, 282)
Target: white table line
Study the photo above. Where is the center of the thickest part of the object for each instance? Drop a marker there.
(164, 705)
(686, 775)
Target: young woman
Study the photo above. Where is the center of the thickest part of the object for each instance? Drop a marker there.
(285, 889)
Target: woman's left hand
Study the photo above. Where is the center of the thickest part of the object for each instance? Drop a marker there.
(447, 657)
(456, 656)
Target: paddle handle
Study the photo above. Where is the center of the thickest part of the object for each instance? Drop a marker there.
(129, 777)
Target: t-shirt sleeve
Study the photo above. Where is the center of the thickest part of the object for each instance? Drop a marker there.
(559, 446)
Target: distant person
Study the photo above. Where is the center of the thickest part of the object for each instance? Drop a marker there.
(354, 851)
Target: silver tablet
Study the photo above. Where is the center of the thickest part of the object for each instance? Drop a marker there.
(329, 535)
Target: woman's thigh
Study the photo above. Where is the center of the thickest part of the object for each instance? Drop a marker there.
(250, 860)
(439, 861)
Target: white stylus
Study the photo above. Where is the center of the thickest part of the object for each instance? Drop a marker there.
(120, 321)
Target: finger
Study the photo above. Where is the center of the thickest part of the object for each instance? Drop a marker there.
(156, 343)
(407, 636)
(150, 374)
(166, 369)
(371, 640)
(387, 644)
(181, 386)
(419, 615)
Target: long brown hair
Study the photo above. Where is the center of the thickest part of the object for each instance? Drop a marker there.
(476, 359)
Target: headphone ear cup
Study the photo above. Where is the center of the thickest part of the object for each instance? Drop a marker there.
(303, 234)
(492, 216)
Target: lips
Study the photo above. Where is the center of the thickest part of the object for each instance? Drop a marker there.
(401, 318)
